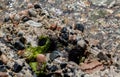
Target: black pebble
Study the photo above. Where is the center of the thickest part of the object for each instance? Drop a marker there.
(65, 36)
(1, 62)
(3, 69)
(42, 42)
(25, 18)
(22, 40)
(64, 30)
(80, 27)
(17, 68)
(63, 65)
(0, 53)
(66, 75)
(6, 19)
(53, 68)
(37, 6)
(19, 45)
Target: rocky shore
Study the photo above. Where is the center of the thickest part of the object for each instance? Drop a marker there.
(59, 38)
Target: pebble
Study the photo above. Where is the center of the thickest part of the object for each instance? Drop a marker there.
(33, 23)
(53, 68)
(6, 18)
(80, 27)
(17, 68)
(4, 58)
(63, 65)
(37, 6)
(64, 30)
(41, 58)
(81, 43)
(32, 13)
(25, 18)
(3, 74)
(19, 45)
(54, 55)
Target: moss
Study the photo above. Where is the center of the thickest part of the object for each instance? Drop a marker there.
(31, 53)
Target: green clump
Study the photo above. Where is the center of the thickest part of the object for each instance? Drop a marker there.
(43, 46)
(32, 52)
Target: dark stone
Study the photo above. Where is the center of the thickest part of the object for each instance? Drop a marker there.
(17, 68)
(19, 45)
(22, 40)
(64, 30)
(54, 55)
(53, 44)
(37, 6)
(6, 19)
(80, 27)
(20, 34)
(63, 65)
(66, 75)
(25, 18)
(3, 68)
(0, 53)
(53, 68)
(1, 62)
(102, 56)
(65, 36)
(42, 41)
(76, 54)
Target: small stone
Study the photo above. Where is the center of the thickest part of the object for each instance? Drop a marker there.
(81, 43)
(32, 13)
(41, 58)
(22, 40)
(53, 68)
(25, 18)
(64, 30)
(54, 55)
(53, 27)
(19, 45)
(33, 23)
(30, 5)
(65, 36)
(4, 59)
(16, 17)
(63, 65)
(1, 62)
(79, 27)
(3, 74)
(17, 68)
(37, 6)
(3, 69)
(6, 18)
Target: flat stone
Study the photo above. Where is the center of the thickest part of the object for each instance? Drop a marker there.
(33, 23)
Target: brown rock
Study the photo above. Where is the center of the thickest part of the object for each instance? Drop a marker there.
(53, 26)
(4, 58)
(41, 58)
(3, 74)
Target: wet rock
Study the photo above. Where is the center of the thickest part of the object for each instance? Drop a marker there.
(17, 68)
(54, 55)
(19, 45)
(80, 27)
(33, 23)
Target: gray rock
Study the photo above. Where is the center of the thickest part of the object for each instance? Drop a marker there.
(108, 3)
(32, 13)
(33, 23)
